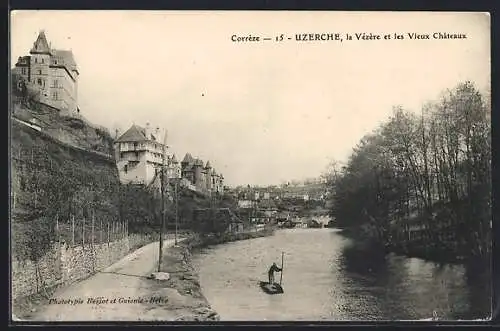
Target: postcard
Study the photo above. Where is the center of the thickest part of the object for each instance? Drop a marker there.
(250, 166)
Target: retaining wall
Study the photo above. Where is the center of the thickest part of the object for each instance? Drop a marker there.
(64, 265)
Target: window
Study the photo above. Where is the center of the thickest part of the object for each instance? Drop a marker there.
(125, 168)
(56, 83)
(54, 95)
(39, 81)
(43, 61)
(39, 71)
(36, 60)
(23, 71)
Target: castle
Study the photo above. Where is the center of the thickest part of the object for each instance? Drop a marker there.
(139, 159)
(203, 176)
(53, 72)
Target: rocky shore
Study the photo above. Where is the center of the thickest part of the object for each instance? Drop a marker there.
(186, 301)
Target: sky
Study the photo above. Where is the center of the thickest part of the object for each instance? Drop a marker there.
(262, 112)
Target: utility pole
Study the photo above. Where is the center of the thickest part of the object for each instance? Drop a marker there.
(176, 206)
(162, 189)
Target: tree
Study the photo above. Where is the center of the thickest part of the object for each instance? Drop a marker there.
(433, 167)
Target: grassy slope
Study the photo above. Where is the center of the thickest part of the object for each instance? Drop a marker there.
(68, 159)
(76, 131)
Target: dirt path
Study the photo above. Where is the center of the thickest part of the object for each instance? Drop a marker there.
(126, 279)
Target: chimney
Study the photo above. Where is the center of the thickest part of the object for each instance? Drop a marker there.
(147, 131)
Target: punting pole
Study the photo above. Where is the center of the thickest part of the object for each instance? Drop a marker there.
(282, 261)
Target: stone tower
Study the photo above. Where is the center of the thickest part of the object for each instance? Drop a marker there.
(198, 180)
(208, 176)
(39, 65)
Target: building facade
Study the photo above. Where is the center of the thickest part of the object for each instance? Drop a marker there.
(139, 155)
(202, 176)
(139, 159)
(52, 72)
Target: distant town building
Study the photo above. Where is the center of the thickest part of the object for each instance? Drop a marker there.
(53, 72)
(245, 204)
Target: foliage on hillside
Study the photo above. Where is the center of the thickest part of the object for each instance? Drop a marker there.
(24, 93)
(55, 184)
(51, 181)
(432, 169)
(143, 208)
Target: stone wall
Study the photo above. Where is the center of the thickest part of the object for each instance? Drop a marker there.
(80, 262)
(28, 277)
(63, 264)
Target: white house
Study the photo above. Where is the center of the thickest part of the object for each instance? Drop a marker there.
(139, 155)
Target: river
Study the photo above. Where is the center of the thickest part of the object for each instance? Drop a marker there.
(326, 277)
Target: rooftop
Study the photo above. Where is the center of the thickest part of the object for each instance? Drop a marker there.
(188, 159)
(134, 134)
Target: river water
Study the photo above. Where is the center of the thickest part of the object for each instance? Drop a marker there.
(327, 277)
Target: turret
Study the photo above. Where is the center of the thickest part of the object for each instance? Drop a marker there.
(198, 165)
(188, 159)
(41, 46)
(147, 131)
(40, 61)
(174, 159)
(208, 176)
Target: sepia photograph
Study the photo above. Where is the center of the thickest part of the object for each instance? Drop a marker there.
(261, 166)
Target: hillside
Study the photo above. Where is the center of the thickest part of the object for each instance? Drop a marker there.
(74, 130)
(63, 175)
(52, 180)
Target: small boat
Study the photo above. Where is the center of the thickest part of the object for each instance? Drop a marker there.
(271, 288)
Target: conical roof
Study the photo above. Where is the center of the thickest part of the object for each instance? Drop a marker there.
(188, 159)
(41, 46)
(208, 165)
(174, 159)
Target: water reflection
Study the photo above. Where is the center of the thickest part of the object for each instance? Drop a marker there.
(327, 276)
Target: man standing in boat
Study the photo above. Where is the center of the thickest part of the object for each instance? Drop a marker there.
(274, 268)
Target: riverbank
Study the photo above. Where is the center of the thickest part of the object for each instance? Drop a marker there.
(177, 299)
(430, 253)
(198, 242)
(182, 290)
(25, 307)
